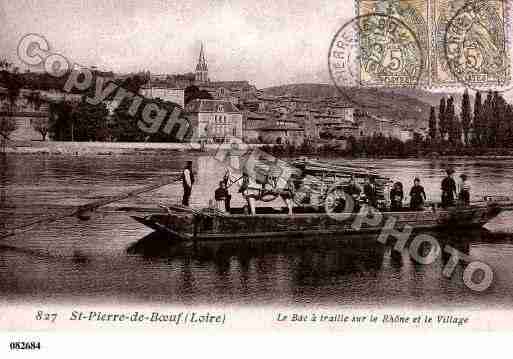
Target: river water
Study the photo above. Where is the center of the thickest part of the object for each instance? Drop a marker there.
(111, 259)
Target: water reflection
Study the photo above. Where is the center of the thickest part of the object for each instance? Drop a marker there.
(327, 270)
(105, 259)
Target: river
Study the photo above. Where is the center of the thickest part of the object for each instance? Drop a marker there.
(111, 259)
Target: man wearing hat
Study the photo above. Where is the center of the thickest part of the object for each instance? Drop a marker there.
(187, 182)
(465, 190)
(448, 189)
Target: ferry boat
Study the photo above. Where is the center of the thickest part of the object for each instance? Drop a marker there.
(185, 224)
(320, 212)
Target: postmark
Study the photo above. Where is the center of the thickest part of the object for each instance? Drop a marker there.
(471, 44)
(375, 50)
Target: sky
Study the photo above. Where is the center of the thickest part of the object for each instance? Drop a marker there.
(267, 42)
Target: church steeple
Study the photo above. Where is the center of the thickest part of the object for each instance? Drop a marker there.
(201, 67)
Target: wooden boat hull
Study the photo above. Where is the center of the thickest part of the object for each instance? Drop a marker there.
(203, 226)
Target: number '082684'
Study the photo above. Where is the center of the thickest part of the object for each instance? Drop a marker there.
(25, 345)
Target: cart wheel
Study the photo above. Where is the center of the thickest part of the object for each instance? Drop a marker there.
(335, 200)
(299, 198)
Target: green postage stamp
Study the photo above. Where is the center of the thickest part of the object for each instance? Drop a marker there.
(435, 43)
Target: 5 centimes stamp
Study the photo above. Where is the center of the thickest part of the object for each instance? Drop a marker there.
(376, 50)
(471, 42)
(410, 23)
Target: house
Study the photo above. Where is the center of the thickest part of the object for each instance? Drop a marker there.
(233, 91)
(174, 95)
(272, 128)
(317, 124)
(215, 120)
(307, 120)
(60, 96)
(406, 135)
(26, 114)
(282, 130)
(254, 105)
(370, 125)
(253, 122)
(337, 127)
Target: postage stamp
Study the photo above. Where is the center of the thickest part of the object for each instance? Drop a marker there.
(450, 42)
(376, 50)
(409, 18)
(471, 44)
(412, 16)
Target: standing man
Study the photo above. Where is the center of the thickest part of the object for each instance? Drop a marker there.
(417, 196)
(355, 191)
(369, 189)
(251, 192)
(187, 182)
(448, 189)
(222, 198)
(465, 190)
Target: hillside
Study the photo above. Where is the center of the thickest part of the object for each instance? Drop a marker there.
(410, 106)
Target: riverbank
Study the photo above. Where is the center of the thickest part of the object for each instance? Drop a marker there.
(106, 148)
(155, 148)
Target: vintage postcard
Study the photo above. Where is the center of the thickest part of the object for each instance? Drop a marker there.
(186, 167)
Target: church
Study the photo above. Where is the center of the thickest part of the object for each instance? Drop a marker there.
(232, 91)
(219, 119)
(201, 73)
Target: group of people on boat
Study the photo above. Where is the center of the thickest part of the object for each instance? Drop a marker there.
(417, 196)
(253, 191)
(368, 194)
(450, 193)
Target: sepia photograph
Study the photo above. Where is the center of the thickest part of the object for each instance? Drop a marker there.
(255, 164)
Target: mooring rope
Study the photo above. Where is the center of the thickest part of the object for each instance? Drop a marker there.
(87, 207)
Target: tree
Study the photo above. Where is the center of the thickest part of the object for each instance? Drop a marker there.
(89, 122)
(487, 119)
(432, 124)
(60, 120)
(135, 82)
(10, 79)
(441, 118)
(509, 121)
(465, 116)
(7, 126)
(451, 121)
(124, 126)
(458, 129)
(193, 92)
(5, 65)
(13, 86)
(478, 122)
(34, 97)
(170, 136)
(41, 125)
(498, 124)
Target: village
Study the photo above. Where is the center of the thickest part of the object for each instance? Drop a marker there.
(219, 111)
